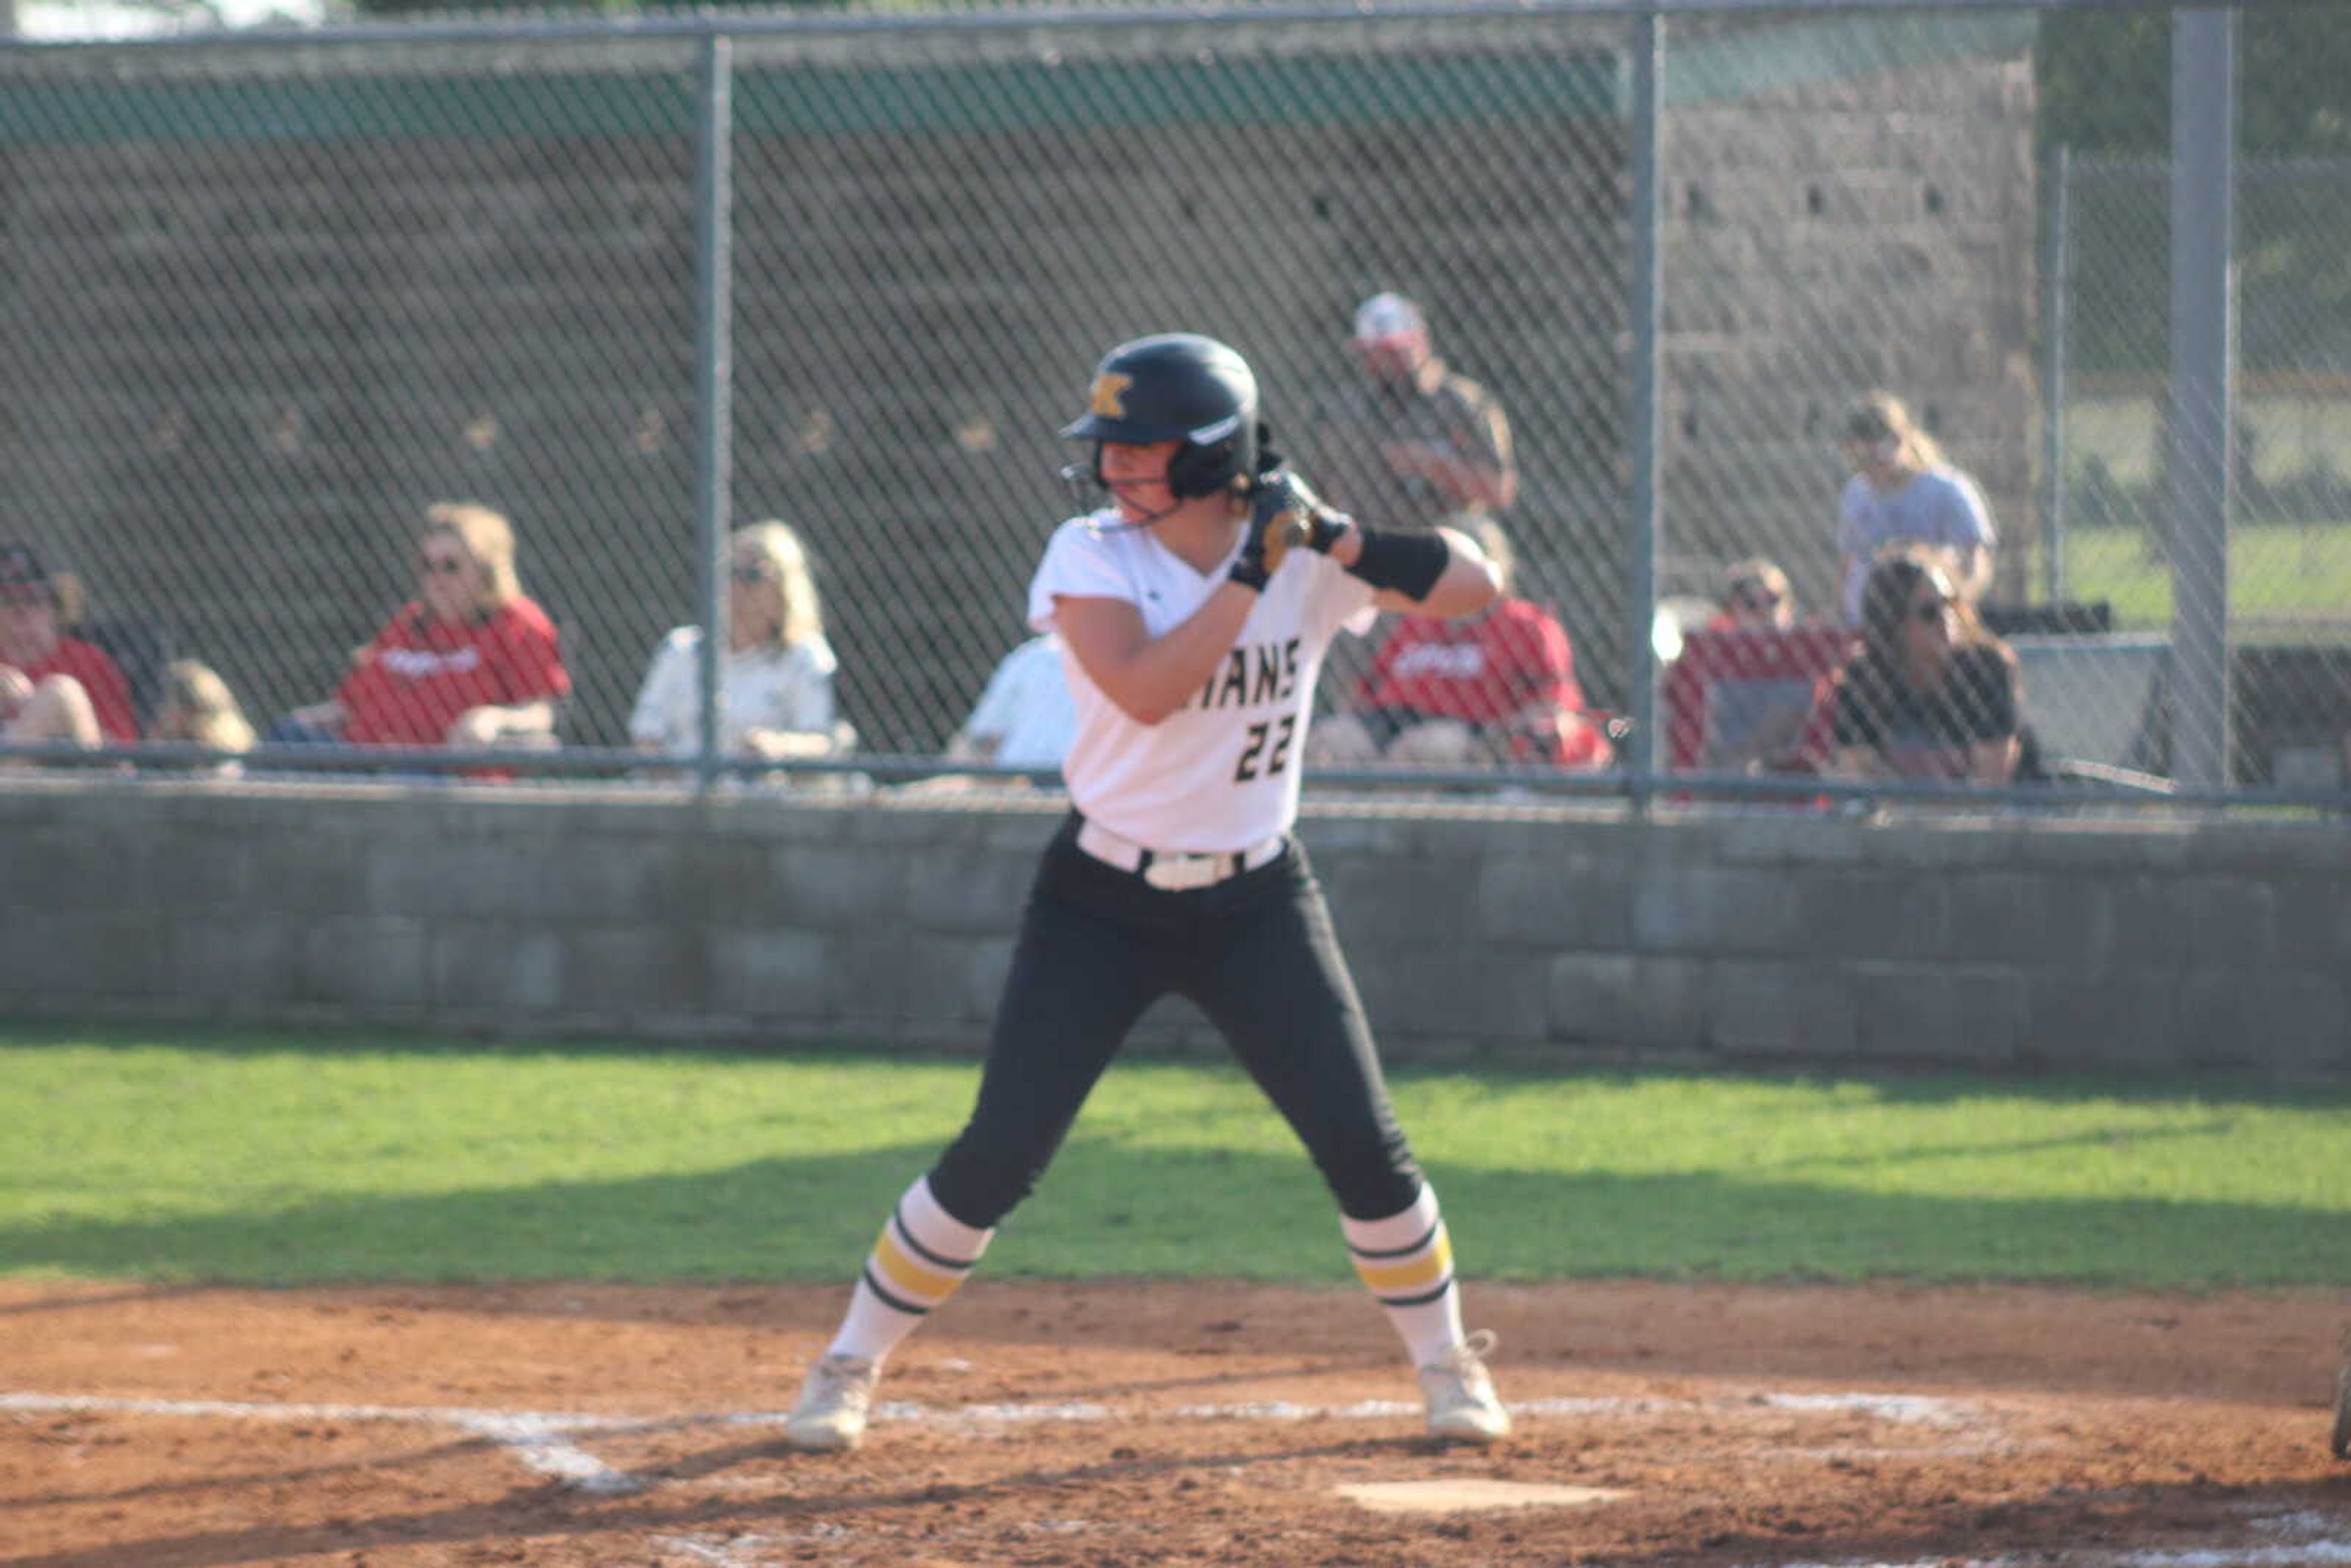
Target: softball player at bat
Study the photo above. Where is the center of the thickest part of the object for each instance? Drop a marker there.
(1194, 610)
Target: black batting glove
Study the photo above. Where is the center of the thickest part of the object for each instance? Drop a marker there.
(1284, 514)
(1276, 526)
(1269, 541)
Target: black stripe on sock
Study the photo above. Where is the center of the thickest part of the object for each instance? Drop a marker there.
(892, 1303)
(898, 1219)
(1426, 1237)
(1436, 1294)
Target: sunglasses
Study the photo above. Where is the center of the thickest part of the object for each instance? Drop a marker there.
(749, 574)
(1757, 599)
(441, 565)
(1930, 612)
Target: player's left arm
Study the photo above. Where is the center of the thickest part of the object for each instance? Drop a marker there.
(1465, 581)
(1441, 574)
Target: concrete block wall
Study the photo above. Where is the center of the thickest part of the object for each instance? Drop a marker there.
(1564, 936)
(1850, 203)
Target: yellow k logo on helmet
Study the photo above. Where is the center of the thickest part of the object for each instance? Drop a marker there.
(1109, 394)
(1184, 388)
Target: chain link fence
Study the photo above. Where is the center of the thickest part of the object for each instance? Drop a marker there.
(271, 299)
(2110, 540)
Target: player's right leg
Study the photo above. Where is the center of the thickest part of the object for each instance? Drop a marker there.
(1081, 975)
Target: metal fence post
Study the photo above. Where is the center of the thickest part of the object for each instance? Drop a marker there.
(1646, 47)
(714, 195)
(2056, 289)
(2203, 344)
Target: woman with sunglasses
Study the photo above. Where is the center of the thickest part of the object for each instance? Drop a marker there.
(469, 662)
(775, 674)
(1928, 693)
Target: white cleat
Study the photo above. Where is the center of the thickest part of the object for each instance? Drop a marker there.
(830, 1416)
(1462, 1404)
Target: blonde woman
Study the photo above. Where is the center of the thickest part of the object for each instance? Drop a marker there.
(470, 662)
(774, 675)
(1905, 491)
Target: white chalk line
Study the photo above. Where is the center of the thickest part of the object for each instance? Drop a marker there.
(2309, 1554)
(536, 1439)
(544, 1441)
(2320, 1543)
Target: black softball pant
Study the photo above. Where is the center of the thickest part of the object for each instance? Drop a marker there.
(1256, 952)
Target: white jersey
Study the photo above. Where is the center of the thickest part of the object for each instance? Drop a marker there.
(758, 689)
(1221, 773)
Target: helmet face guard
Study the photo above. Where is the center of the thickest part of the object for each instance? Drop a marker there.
(1179, 387)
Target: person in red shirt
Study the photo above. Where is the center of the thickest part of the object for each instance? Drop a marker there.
(470, 662)
(53, 686)
(1495, 687)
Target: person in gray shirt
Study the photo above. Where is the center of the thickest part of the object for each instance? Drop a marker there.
(1904, 491)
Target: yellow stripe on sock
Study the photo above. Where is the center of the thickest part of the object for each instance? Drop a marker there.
(1430, 1268)
(910, 1274)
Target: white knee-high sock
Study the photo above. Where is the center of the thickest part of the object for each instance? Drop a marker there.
(1406, 1262)
(922, 1255)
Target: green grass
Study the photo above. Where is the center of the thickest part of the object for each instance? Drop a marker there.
(2281, 579)
(260, 1160)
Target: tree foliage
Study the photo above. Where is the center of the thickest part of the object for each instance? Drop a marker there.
(2106, 93)
(2106, 81)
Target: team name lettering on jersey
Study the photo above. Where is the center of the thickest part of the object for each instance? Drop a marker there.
(417, 663)
(1254, 674)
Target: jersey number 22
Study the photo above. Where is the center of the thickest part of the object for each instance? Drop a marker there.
(1276, 759)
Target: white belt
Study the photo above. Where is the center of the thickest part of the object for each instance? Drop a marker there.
(1173, 872)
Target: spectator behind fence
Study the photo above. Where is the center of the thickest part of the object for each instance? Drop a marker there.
(1497, 687)
(1025, 717)
(1416, 444)
(1754, 680)
(471, 662)
(1905, 491)
(1756, 597)
(1409, 445)
(775, 676)
(1928, 693)
(197, 708)
(53, 686)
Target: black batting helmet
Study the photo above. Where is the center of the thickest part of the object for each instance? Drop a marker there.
(1178, 386)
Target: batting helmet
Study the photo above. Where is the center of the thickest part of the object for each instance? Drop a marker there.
(1178, 386)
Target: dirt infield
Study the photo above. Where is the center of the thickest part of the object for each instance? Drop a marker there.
(1111, 1424)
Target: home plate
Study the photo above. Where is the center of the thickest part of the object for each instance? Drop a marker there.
(1456, 1496)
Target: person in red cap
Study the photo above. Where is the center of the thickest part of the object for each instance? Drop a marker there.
(1411, 442)
(52, 685)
